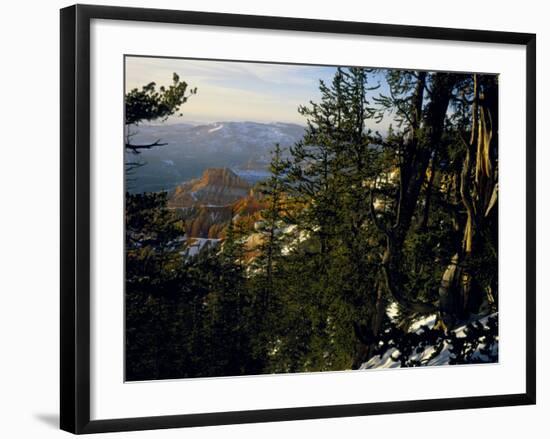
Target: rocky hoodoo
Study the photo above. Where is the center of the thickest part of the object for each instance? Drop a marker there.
(215, 188)
(209, 203)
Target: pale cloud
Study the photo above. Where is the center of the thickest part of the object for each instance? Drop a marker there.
(236, 91)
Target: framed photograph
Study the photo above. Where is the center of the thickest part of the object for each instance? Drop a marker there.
(268, 219)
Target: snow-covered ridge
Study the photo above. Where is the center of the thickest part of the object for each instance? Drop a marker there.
(189, 149)
(216, 128)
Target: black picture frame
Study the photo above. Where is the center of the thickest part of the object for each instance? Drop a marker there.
(75, 217)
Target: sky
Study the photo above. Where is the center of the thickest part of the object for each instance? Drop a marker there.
(234, 91)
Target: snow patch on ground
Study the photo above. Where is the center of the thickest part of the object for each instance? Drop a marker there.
(389, 358)
(428, 321)
(392, 311)
(298, 238)
(196, 245)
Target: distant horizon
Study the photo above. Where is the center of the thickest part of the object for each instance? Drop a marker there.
(239, 91)
(179, 121)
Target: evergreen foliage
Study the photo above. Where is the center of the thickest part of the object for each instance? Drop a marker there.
(353, 220)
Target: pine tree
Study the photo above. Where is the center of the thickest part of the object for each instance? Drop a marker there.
(160, 306)
(231, 304)
(326, 177)
(271, 226)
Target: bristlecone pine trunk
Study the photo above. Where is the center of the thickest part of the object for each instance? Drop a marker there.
(426, 131)
(459, 293)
